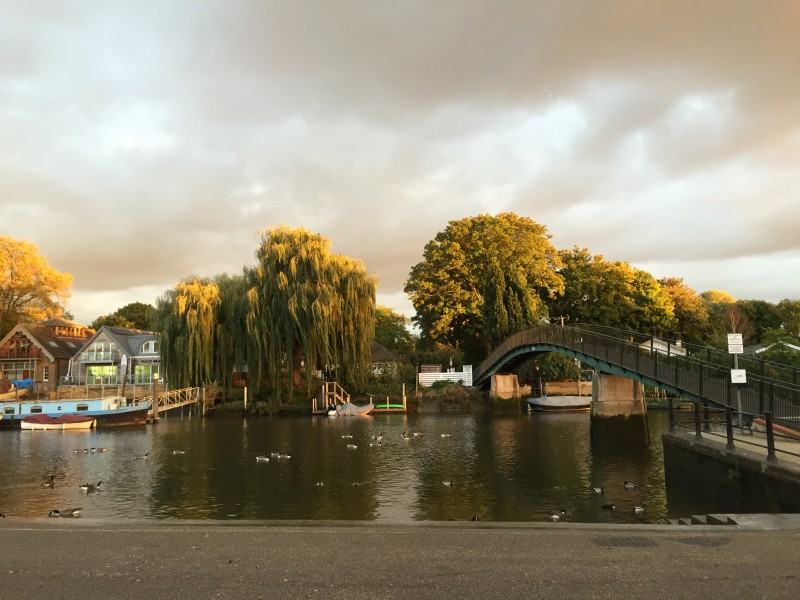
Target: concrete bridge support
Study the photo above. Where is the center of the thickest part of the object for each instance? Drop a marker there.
(505, 386)
(618, 410)
(615, 396)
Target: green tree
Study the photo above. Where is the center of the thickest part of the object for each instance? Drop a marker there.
(30, 289)
(611, 293)
(310, 307)
(136, 315)
(482, 278)
(762, 315)
(391, 331)
(779, 348)
(790, 316)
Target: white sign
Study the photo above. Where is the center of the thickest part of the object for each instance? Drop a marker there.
(735, 349)
(735, 339)
(738, 376)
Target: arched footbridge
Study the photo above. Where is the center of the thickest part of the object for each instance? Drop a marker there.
(696, 373)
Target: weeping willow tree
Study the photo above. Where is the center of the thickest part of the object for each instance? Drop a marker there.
(186, 318)
(233, 342)
(308, 307)
(510, 304)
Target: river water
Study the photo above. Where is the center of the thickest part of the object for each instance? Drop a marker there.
(513, 466)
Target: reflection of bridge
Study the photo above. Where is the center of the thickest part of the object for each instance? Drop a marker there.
(699, 374)
(176, 398)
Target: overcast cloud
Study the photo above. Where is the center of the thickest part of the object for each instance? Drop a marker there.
(142, 142)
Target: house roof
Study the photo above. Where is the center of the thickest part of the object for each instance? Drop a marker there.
(381, 354)
(759, 348)
(127, 340)
(42, 335)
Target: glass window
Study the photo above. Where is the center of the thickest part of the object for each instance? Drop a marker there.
(46, 374)
(82, 407)
(36, 409)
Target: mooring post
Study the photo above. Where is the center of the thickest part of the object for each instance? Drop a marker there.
(729, 426)
(155, 398)
(671, 415)
(770, 437)
(697, 433)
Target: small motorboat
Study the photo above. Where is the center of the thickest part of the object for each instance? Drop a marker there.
(559, 403)
(60, 423)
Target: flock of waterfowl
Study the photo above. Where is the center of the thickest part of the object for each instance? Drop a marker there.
(638, 509)
(88, 488)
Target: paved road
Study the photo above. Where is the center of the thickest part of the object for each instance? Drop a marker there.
(77, 558)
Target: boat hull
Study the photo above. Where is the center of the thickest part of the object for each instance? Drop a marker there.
(63, 423)
(107, 412)
(560, 403)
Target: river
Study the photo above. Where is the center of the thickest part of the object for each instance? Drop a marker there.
(489, 465)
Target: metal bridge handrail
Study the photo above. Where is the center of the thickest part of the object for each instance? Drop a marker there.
(678, 372)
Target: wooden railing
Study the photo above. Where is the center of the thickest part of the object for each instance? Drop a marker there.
(331, 393)
(176, 398)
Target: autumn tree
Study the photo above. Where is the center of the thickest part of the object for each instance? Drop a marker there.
(482, 278)
(691, 312)
(309, 308)
(614, 294)
(30, 289)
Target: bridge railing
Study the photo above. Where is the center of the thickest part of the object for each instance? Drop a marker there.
(672, 365)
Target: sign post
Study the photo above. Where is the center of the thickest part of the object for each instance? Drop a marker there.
(738, 376)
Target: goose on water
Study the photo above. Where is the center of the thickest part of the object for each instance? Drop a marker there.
(179, 451)
(629, 485)
(599, 490)
(49, 482)
(283, 456)
(555, 516)
(351, 446)
(65, 512)
(144, 456)
(448, 483)
(90, 487)
(640, 509)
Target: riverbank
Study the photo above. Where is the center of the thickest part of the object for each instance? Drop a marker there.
(91, 559)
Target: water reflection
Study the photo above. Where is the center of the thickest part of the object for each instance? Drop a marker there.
(498, 467)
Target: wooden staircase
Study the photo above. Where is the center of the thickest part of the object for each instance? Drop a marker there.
(331, 393)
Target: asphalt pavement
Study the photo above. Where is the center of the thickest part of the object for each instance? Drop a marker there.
(80, 558)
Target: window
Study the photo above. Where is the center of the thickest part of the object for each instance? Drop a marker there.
(97, 374)
(82, 407)
(143, 373)
(8, 410)
(45, 373)
(36, 410)
(150, 347)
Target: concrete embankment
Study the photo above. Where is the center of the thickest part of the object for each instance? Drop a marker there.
(78, 558)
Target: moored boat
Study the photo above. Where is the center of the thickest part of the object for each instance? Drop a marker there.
(113, 411)
(348, 409)
(559, 403)
(44, 422)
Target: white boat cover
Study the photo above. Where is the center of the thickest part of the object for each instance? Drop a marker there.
(348, 409)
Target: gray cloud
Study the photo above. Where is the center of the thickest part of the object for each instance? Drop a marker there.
(142, 143)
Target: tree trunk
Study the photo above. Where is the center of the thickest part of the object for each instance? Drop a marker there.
(297, 361)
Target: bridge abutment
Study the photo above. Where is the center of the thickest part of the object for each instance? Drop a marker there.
(615, 396)
(618, 409)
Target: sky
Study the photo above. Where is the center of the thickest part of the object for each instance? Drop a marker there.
(142, 142)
